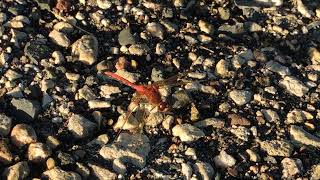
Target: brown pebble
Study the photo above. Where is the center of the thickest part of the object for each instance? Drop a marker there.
(23, 134)
(52, 142)
(50, 163)
(239, 120)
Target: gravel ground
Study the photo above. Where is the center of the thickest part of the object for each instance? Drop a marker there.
(251, 108)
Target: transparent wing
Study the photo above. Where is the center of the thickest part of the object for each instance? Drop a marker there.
(172, 80)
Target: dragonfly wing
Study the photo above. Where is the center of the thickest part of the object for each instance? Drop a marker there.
(171, 80)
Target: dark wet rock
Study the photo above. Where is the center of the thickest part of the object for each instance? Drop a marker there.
(26, 109)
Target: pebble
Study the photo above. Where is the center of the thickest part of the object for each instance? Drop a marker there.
(58, 173)
(315, 174)
(37, 50)
(291, 167)
(170, 26)
(3, 17)
(100, 140)
(300, 136)
(181, 99)
(132, 77)
(86, 93)
(81, 127)
(59, 38)
(167, 122)
(6, 156)
(66, 159)
(26, 109)
(241, 132)
(270, 115)
(277, 147)
(20, 170)
(205, 27)
(276, 67)
(240, 97)
(82, 170)
(12, 75)
(224, 160)
(97, 104)
(254, 157)
(38, 152)
(4, 57)
(222, 68)
(101, 172)
(58, 57)
(139, 49)
(106, 90)
(224, 13)
(314, 55)
(154, 119)
(160, 49)
(214, 122)
(303, 9)
(125, 37)
(50, 163)
(186, 171)
(86, 49)
(239, 120)
(155, 29)
(205, 170)
(5, 125)
(187, 132)
(63, 27)
(298, 116)
(133, 148)
(104, 4)
(242, 58)
(293, 86)
(23, 134)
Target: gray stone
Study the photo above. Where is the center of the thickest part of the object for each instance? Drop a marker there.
(224, 160)
(5, 125)
(26, 109)
(81, 127)
(23, 134)
(20, 170)
(59, 174)
(205, 170)
(294, 86)
(63, 27)
(278, 68)
(240, 97)
(277, 147)
(300, 136)
(132, 148)
(258, 3)
(102, 173)
(97, 104)
(187, 132)
(126, 38)
(181, 99)
(86, 49)
(38, 152)
(291, 167)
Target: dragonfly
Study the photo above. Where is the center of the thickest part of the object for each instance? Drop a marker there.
(149, 93)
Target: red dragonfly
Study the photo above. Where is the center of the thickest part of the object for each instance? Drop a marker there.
(148, 92)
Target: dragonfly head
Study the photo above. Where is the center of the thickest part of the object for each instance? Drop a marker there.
(163, 107)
